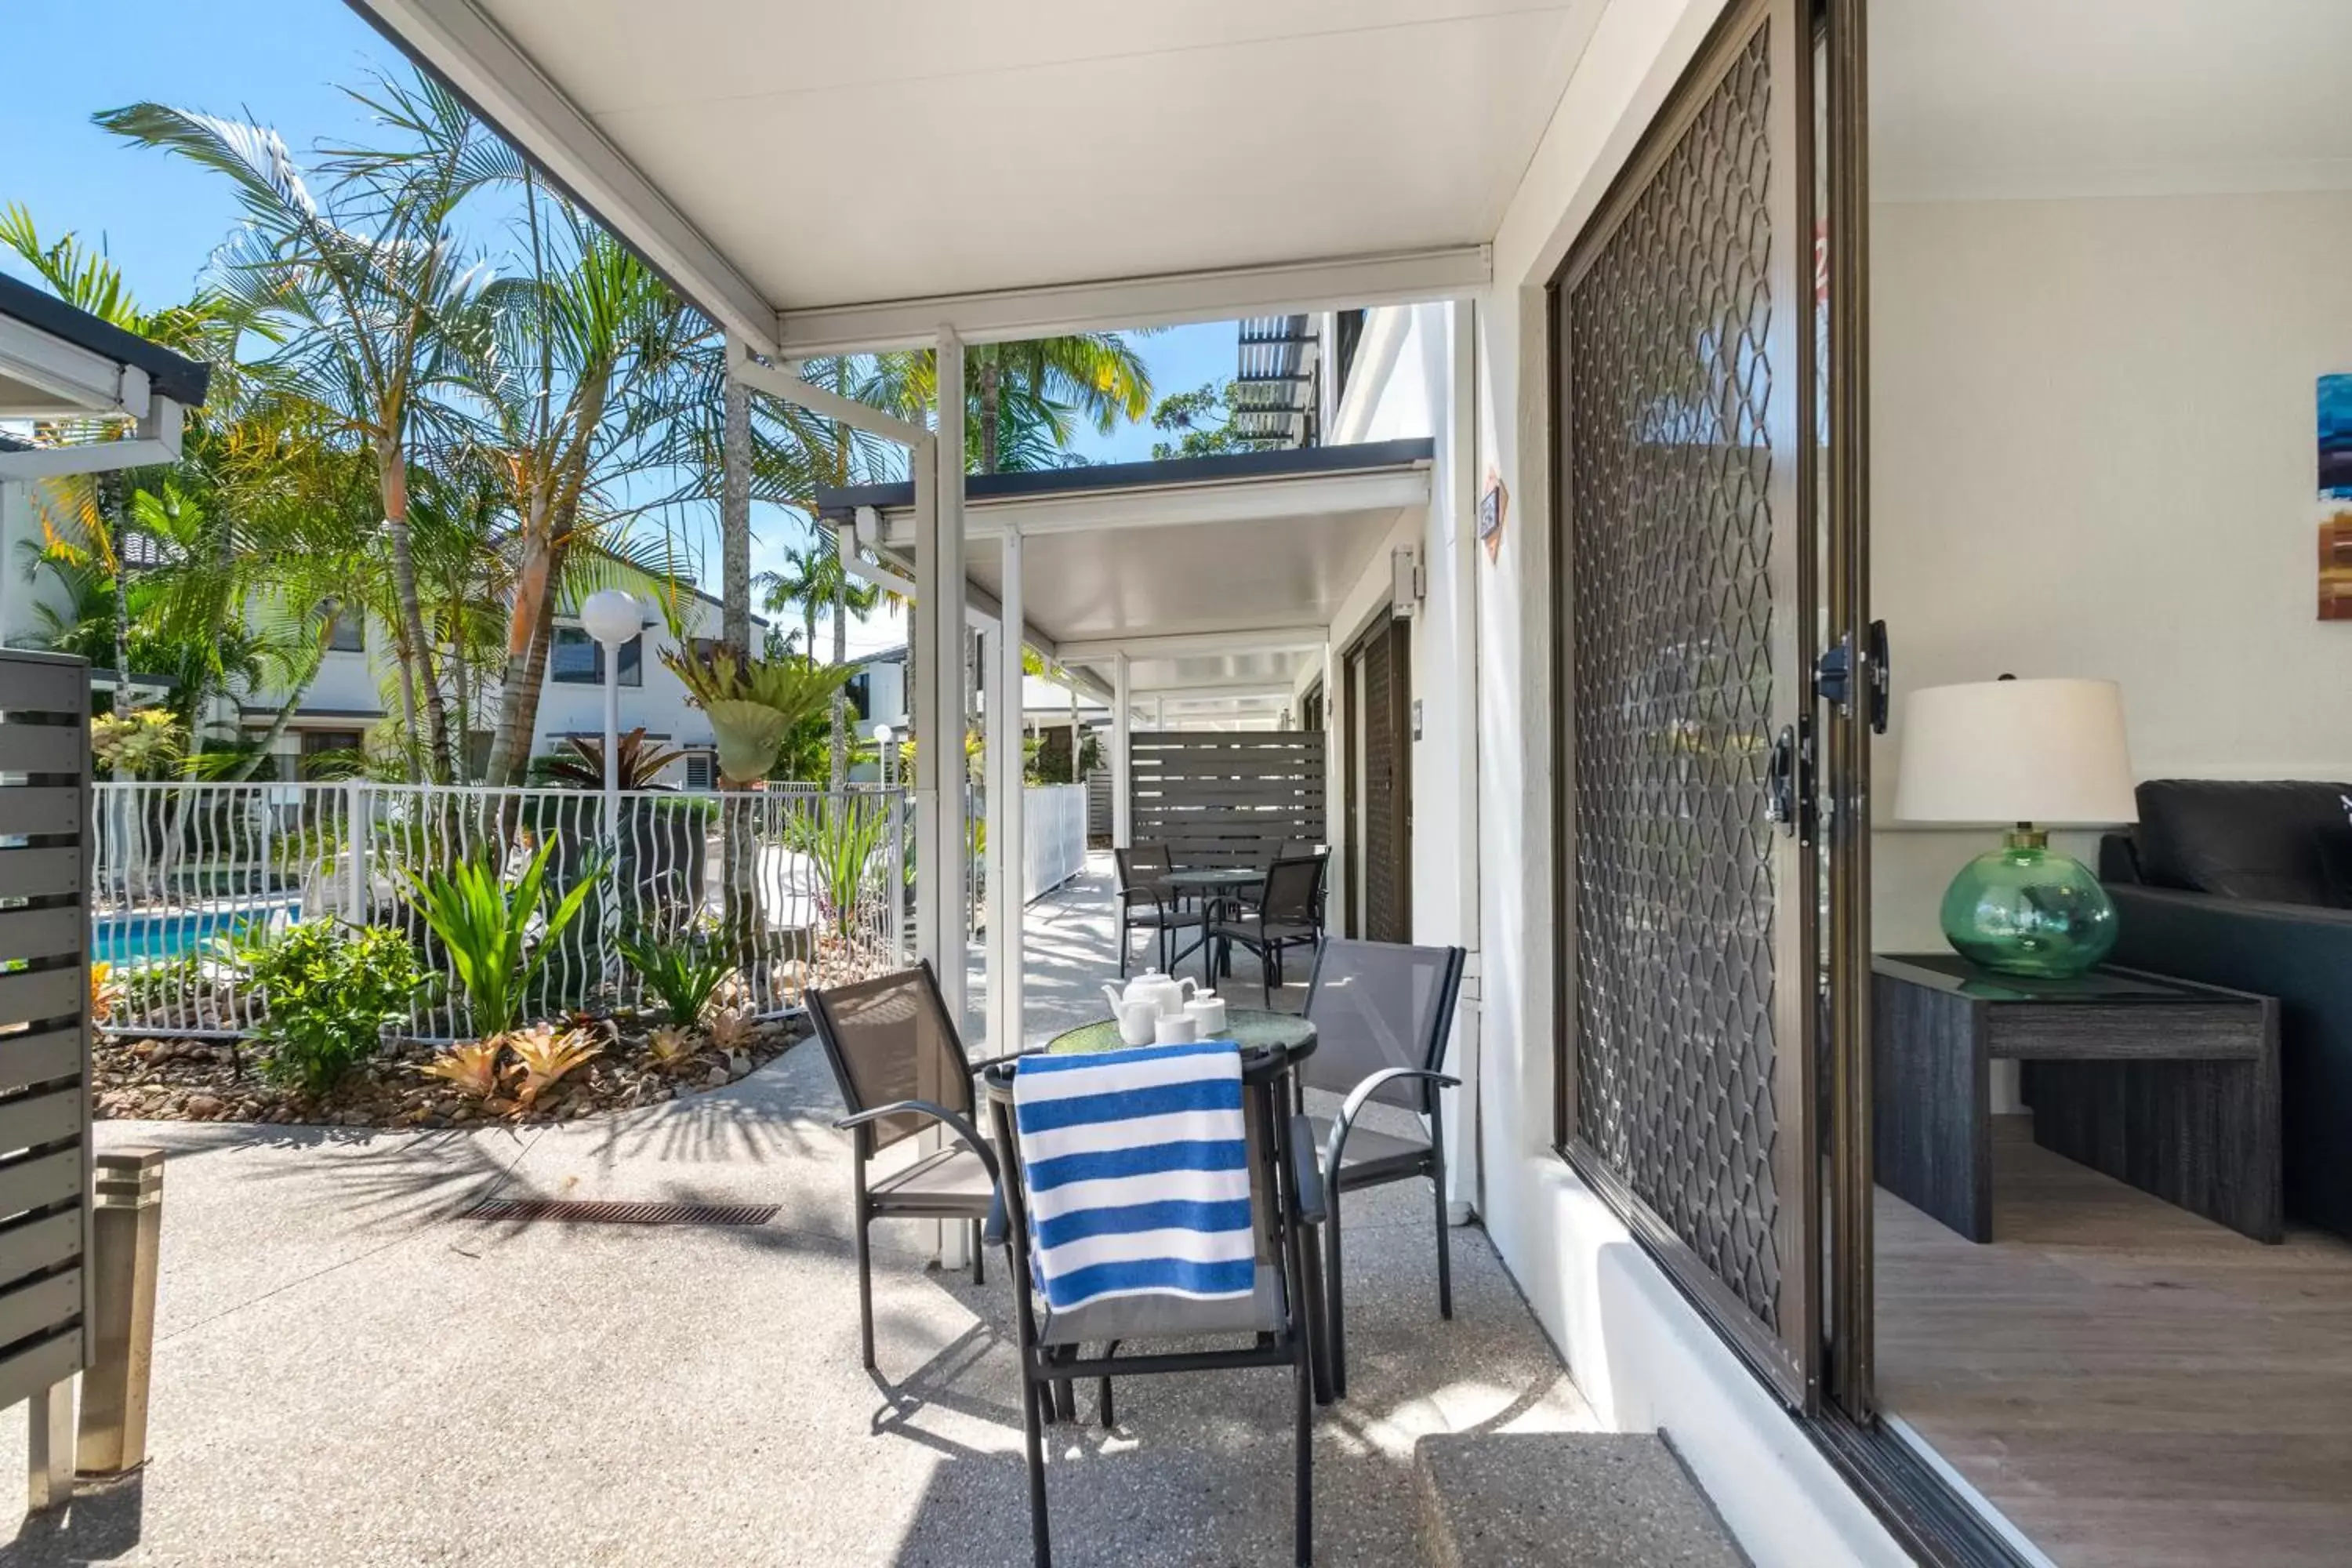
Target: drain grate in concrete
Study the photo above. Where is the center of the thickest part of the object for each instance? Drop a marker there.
(581, 1211)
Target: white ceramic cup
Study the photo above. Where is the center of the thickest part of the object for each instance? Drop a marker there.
(1138, 1022)
(1180, 1030)
(1207, 1012)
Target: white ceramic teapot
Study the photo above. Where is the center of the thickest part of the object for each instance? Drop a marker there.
(1167, 996)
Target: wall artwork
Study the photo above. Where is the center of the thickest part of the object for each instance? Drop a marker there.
(2336, 497)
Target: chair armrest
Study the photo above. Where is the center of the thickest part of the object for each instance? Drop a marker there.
(1305, 1176)
(961, 1130)
(1359, 1097)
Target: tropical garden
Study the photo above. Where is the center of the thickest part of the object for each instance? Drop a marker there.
(446, 406)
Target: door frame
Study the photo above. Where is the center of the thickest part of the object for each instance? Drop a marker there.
(1788, 1358)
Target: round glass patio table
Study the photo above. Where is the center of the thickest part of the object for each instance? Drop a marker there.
(1254, 1027)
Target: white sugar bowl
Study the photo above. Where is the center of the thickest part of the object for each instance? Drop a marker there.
(1207, 1009)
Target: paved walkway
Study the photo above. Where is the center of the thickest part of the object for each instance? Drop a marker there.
(347, 1372)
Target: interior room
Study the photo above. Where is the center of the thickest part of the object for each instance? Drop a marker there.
(2111, 392)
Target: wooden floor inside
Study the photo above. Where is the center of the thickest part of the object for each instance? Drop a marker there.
(2130, 1384)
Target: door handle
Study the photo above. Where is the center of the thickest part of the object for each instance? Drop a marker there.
(1880, 674)
(1780, 781)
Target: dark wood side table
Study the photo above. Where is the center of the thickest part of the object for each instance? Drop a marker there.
(2166, 1085)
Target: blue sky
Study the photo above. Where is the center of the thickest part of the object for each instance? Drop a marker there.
(281, 63)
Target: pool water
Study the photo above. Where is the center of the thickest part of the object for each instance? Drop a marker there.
(124, 940)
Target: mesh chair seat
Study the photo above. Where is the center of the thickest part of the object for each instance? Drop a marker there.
(1368, 1149)
(1279, 931)
(1146, 915)
(1130, 1318)
(951, 1180)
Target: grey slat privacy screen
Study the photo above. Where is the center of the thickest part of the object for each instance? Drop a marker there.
(1226, 797)
(44, 1020)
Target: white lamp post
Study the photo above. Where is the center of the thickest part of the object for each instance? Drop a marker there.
(882, 739)
(612, 617)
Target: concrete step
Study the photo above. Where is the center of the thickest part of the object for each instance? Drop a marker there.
(1537, 1500)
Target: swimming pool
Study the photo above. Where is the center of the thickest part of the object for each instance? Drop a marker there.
(123, 939)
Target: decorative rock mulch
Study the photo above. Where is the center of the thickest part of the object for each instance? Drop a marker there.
(220, 1080)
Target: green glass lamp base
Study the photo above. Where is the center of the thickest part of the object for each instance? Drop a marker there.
(2022, 909)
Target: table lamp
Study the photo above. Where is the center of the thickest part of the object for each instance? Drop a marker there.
(2035, 753)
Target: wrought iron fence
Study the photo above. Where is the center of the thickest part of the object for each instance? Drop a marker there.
(798, 886)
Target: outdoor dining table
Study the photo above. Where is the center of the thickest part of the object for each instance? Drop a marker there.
(1217, 885)
(1255, 1029)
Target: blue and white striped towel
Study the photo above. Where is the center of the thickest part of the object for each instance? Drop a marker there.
(1138, 1170)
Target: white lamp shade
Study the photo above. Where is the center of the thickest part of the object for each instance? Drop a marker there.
(2051, 752)
(611, 616)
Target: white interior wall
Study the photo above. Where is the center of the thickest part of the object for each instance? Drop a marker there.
(1639, 1351)
(2091, 454)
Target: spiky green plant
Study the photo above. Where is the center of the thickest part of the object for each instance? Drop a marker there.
(486, 927)
(685, 973)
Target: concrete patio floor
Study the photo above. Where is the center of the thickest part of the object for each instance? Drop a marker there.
(348, 1373)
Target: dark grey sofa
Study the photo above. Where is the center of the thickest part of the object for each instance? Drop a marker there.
(2249, 886)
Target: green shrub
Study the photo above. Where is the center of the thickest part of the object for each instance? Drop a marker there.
(485, 929)
(684, 974)
(329, 990)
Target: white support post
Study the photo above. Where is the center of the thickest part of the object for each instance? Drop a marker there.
(1007, 825)
(1123, 730)
(943, 936)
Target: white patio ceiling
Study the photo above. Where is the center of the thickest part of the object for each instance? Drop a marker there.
(1218, 578)
(822, 174)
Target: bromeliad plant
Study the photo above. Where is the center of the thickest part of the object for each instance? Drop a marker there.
(753, 703)
(685, 973)
(542, 1057)
(486, 926)
(580, 763)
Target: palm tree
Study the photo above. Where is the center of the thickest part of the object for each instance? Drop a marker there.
(584, 355)
(377, 306)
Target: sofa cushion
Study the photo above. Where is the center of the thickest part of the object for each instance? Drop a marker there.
(2270, 840)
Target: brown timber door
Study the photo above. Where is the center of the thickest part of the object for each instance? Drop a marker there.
(1690, 613)
(1380, 719)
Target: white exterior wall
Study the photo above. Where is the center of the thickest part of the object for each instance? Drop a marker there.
(1643, 1356)
(362, 682)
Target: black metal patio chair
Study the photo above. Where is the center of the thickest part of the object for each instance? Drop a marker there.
(1275, 1326)
(1382, 1013)
(1147, 903)
(902, 1068)
(1286, 915)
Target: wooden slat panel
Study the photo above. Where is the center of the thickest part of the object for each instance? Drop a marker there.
(43, 933)
(39, 1118)
(42, 748)
(44, 686)
(42, 1306)
(39, 873)
(40, 809)
(30, 995)
(37, 1245)
(37, 1183)
(39, 1058)
(41, 1365)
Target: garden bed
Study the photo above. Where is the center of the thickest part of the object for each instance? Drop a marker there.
(218, 1080)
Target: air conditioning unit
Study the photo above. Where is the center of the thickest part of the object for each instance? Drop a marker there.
(697, 770)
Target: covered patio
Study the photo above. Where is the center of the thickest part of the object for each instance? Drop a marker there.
(348, 1370)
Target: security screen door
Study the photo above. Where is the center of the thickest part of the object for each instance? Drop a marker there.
(1685, 451)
